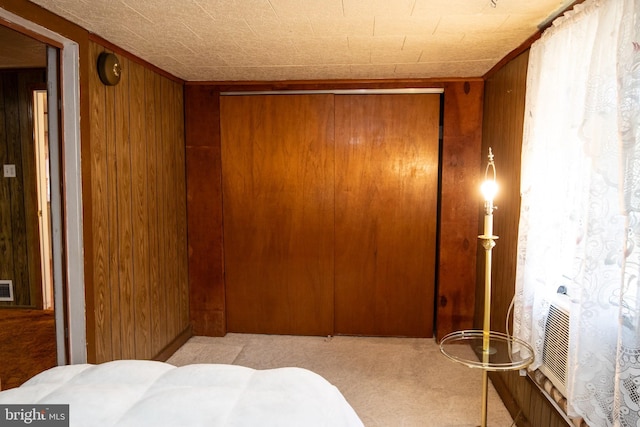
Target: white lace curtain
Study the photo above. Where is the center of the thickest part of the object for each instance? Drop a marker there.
(580, 212)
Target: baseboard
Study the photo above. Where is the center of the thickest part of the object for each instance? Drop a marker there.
(174, 345)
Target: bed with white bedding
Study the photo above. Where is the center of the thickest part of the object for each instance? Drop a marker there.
(140, 393)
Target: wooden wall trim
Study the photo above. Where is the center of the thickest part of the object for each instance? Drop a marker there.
(459, 205)
(204, 211)
(228, 86)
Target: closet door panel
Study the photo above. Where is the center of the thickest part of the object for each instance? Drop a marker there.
(385, 220)
(278, 206)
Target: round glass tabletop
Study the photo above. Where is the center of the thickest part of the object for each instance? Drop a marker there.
(492, 351)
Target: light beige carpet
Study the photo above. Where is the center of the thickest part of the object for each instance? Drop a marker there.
(390, 382)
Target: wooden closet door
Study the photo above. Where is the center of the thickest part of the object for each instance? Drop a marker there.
(278, 205)
(386, 207)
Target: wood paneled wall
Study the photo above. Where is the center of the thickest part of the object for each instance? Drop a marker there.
(138, 203)
(502, 130)
(460, 167)
(19, 236)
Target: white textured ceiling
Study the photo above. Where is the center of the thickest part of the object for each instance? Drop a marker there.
(219, 40)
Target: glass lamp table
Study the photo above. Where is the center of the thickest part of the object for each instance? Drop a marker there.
(468, 348)
(489, 351)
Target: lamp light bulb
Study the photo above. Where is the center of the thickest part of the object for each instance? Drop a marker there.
(489, 189)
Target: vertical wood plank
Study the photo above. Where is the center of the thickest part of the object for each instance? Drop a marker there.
(163, 282)
(156, 314)
(526, 403)
(100, 219)
(172, 187)
(141, 297)
(18, 214)
(544, 415)
(168, 237)
(19, 273)
(124, 212)
(112, 204)
(125, 226)
(182, 257)
(178, 195)
(530, 404)
(6, 243)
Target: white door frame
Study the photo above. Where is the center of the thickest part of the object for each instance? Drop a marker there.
(71, 176)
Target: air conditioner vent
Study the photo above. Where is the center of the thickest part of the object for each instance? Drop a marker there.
(556, 347)
(6, 290)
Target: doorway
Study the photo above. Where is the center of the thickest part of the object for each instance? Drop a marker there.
(63, 85)
(28, 330)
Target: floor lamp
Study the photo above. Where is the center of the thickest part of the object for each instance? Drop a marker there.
(492, 351)
(489, 189)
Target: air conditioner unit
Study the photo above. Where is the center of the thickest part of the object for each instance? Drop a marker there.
(555, 350)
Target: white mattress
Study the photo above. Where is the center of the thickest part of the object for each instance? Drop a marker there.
(144, 393)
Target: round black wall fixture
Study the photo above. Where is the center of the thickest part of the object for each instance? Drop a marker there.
(109, 68)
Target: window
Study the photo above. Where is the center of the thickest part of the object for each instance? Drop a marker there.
(580, 214)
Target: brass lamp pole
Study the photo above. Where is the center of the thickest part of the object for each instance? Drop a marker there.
(489, 189)
(492, 350)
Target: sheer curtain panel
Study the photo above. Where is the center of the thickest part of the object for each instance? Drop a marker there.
(579, 221)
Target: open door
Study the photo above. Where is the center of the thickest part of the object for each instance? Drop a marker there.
(43, 191)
